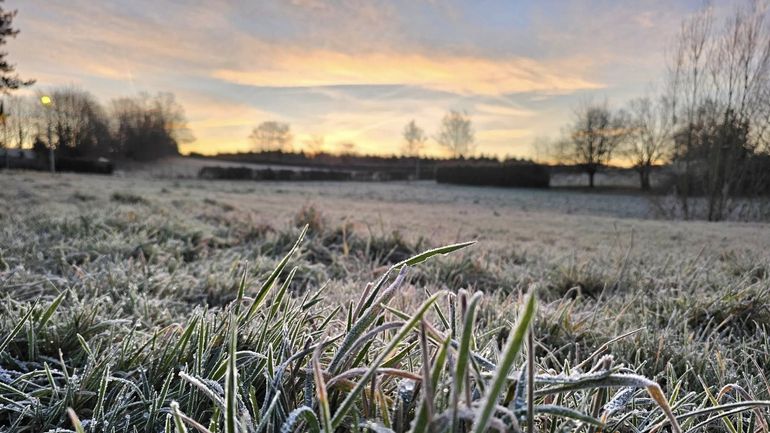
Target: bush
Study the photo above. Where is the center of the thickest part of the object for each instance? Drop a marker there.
(83, 165)
(509, 175)
(68, 164)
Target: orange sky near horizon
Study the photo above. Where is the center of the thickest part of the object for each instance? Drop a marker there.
(351, 70)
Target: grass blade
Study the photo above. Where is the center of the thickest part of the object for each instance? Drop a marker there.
(320, 387)
(16, 329)
(509, 356)
(231, 382)
(268, 284)
(345, 406)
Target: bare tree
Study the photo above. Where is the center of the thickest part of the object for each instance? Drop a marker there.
(314, 145)
(75, 124)
(593, 137)
(718, 85)
(648, 136)
(414, 139)
(456, 134)
(148, 127)
(20, 120)
(272, 136)
(685, 80)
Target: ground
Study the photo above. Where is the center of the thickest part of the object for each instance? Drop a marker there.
(154, 252)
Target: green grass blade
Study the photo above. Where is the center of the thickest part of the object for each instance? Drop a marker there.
(302, 413)
(346, 405)
(16, 329)
(419, 258)
(268, 284)
(463, 353)
(512, 349)
(49, 312)
(566, 412)
(178, 423)
(231, 382)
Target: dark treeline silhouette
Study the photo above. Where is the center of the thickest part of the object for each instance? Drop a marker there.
(247, 173)
(390, 167)
(72, 123)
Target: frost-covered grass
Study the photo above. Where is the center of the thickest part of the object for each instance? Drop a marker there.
(142, 305)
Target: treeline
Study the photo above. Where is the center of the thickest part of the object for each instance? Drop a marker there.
(247, 173)
(74, 124)
(390, 167)
(711, 122)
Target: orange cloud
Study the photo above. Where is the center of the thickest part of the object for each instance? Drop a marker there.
(456, 74)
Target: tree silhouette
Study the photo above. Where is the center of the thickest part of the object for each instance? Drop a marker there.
(594, 136)
(456, 133)
(272, 136)
(414, 139)
(649, 135)
(8, 80)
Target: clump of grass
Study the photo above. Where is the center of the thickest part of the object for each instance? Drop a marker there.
(80, 196)
(127, 198)
(312, 217)
(268, 361)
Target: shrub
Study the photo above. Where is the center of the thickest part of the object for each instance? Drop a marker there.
(508, 175)
(127, 198)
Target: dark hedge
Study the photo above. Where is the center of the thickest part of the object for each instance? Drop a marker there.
(245, 173)
(508, 175)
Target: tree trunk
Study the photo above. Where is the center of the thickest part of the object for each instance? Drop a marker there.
(591, 179)
(644, 178)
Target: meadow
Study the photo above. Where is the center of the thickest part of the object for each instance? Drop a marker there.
(130, 303)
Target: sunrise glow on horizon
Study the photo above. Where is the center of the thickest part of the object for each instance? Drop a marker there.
(353, 71)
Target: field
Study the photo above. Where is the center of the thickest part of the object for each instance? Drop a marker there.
(141, 302)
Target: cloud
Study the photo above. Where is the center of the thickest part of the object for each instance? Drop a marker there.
(502, 134)
(463, 75)
(503, 110)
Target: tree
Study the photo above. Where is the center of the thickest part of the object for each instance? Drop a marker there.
(456, 134)
(414, 139)
(271, 136)
(685, 80)
(20, 120)
(74, 123)
(719, 83)
(593, 137)
(648, 136)
(148, 127)
(8, 80)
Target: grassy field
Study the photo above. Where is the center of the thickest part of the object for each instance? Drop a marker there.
(149, 305)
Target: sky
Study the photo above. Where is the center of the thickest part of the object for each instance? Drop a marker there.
(354, 70)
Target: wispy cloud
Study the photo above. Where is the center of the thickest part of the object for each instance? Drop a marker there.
(456, 74)
(350, 69)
